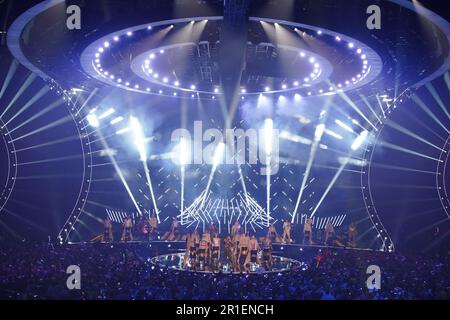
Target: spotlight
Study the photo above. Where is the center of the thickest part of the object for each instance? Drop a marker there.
(312, 59)
(152, 56)
(302, 54)
(116, 38)
(268, 135)
(216, 90)
(116, 120)
(129, 33)
(101, 49)
(107, 113)
(267, 89)
(106, 44)
(192, 87)
(192, 22)
(93, 120)
(295, 83)
(359, 140)
(161, 51)
(243, 90)
(175, 94)
(148, 89)
(319, 32)
(319, 132)
(176, 83)
(351, 45)
(139, 139)
(165, 80)
(160, 91)
(218, 155)
(358, 51)
(338, 38)
(284, 86)
(149, 28)
(297, 97)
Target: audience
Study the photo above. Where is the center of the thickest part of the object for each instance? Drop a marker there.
(123, 271)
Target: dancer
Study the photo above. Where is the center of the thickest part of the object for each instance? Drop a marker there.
(107, 234)
(329, 232)
(267, 253)
(352, 232)
(254, 248)
(235, 229)
(127, 226)
(215, 255)
(307, 230)
(153, 223)
(286, 232)
(243, 251)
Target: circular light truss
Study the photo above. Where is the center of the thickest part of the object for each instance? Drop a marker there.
(11, 174)
(81, 124)
(441, 176)
(152, 80)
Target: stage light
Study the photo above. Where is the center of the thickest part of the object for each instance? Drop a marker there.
(365, 62)
(129, 33)
(161, 51)
(268, 136)
(106, 44)
(176, 83)
(218, 154)
(111, 77)
(267, 89)
(302, 54)
(359, 140)
(343, 125)
(319, 32)
(243, 90)
(216, 90)
(116, 120)
(160, 91)
(306, 80)
(192, 22)
(93, 120)
(183, 152)
(297, 97)
(152, 56)
(363, 56)
(149, 28)
(175, 94)
(116, 38)
(107, 113)
(358, 51)
(165, 80)
(148, 89)
(97, 55)
(171, 26)
(295, 83)
(122, 131)
(192, 87)
(127, 83)
(101, 49)
(156, 76)
(284, 86)
(136, 86)
(351, 45)
(139, 139)
(338, 38)
(333, 134)
(319, 132)
(312, 59)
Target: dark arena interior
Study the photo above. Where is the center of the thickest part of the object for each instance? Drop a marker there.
(224, 150)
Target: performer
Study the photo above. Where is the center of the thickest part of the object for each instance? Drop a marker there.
(254, 248)
(215, 255)
(272, 233)
(212, 229)
(127, 226)
(307, 230)
(153, 223)
(235, 229)
(329, 232)
(286, 232)
(243, 252)
(107, 234)
(202, 254)
(229, 251)
(352, 232)
(267, 253)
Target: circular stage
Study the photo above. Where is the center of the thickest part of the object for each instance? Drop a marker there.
(175, 261)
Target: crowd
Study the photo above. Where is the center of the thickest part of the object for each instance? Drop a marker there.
(124, 271)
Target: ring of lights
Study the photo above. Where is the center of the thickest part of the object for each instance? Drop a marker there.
(12, 165)
(82, 129)
(441, 176)
(141, 67)
(91, 62)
